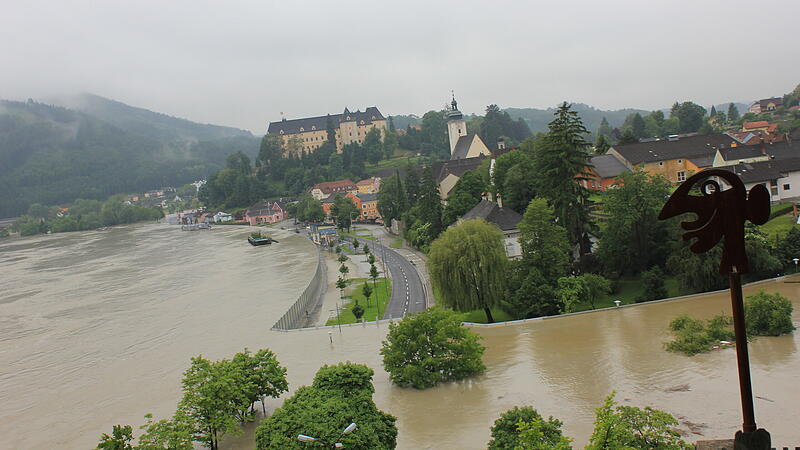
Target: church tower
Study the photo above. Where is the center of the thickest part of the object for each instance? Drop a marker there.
(456, 125)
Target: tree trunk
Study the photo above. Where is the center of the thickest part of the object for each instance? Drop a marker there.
(489, 317)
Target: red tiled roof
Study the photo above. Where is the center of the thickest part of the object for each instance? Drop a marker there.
(759, 124)
(334, 186)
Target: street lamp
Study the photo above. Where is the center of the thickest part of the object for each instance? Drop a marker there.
(795, 263)
(350, 428)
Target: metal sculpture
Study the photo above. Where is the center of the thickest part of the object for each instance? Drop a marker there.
(722, 214)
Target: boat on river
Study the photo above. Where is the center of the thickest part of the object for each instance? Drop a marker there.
(259, 240)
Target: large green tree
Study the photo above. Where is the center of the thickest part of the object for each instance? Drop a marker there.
(467, 266)
(212, 400)
(532, 281)
(633, 238)
(561, 162)
(691, 116)
(392, 201)
(430, 347)
(309, 209)
(340, 395)
(343, 212)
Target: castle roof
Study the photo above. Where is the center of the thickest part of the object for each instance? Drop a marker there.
(319, 123)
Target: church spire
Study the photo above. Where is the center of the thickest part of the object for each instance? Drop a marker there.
(454, 103)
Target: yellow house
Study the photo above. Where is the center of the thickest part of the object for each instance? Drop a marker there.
(675, 158)
(369, 186)
(308, 134)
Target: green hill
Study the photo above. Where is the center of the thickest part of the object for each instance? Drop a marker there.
(538, 119)
(53, 155)
(145, 122)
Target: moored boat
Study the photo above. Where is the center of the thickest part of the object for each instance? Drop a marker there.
(259, 240)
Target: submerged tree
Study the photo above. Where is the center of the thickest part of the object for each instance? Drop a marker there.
(430, 347)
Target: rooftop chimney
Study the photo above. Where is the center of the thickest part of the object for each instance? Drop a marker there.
(499, 200)
(763, 147)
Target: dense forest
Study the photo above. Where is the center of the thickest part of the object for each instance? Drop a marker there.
(53, 155)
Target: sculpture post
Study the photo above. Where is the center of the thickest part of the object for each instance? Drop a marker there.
(722, 213)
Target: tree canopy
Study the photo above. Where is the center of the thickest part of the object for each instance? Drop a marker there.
(430, 347)
(340, 395)
(467, 266)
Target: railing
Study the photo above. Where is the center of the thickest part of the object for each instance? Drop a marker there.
(306, 302)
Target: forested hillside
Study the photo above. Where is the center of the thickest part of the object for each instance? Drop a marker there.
(537, 119)
(52, 155)
(145, 122)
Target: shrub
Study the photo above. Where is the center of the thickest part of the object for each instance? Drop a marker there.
(430, 347)
(525, 428)
(768, 314)
(693, 336)
(654, 288)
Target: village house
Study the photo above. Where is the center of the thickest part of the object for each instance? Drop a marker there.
(767, 104)
(604, 173)
(674, 158)
(506, 219)
(780, 176)
(369, 186)
(311, 132)
(761, 125)
(755, 137)
(764, 151)
(322, 191)
(263, 212)
(327, 204)
(369, 207)
(222, 216)
(356, 202)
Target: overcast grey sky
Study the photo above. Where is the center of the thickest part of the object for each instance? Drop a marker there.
(241, 63)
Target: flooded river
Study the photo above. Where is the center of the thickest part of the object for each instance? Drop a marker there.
(97, 327)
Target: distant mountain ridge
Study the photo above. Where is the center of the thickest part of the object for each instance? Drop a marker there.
(53, 155)
(143, 121)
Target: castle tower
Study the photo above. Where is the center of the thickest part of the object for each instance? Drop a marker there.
(456, 125)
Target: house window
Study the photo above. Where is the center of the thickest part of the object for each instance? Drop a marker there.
(786, 187)
(680, 161)
(681, 176)
(281, 131)
(302, 129)
(661, 163)
(313, 127)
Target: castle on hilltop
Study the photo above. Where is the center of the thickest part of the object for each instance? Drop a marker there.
(308, 134)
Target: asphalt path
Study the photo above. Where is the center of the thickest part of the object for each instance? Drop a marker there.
(408, 293)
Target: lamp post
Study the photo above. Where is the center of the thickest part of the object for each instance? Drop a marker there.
(350, 428)
(795, 263)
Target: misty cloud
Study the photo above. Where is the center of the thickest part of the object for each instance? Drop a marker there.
(242, 63)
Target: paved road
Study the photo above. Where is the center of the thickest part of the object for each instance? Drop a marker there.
(408, 293)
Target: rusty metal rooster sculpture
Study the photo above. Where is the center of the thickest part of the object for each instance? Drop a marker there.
(722, 214)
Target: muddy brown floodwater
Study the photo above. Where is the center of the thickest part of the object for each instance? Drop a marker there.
(97, 327)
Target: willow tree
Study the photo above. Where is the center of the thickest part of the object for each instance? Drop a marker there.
(467, 266)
